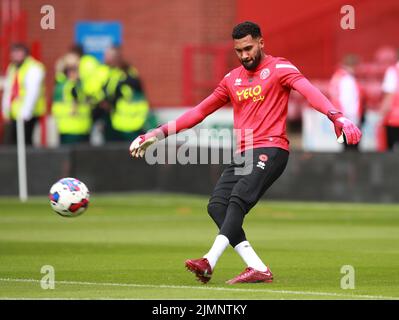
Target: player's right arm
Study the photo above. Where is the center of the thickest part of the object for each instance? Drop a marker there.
(186, 121)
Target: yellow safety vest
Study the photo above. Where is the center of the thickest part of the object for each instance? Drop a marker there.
(93, 75)
(102, 75)
(130, 112)
(20, 73)
(114, 76)
(68, 122)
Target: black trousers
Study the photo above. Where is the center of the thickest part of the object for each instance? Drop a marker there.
(29, 126)
(241, 186)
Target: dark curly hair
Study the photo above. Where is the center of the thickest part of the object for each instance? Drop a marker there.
(246, 28)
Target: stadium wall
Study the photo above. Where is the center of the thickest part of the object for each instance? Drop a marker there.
(309, 33)
(153, 34)
(354, 177)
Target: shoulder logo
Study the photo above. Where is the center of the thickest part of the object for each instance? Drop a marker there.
(238, 82)
(264, 73)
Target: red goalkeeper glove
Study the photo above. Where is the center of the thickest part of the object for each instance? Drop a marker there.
(345, 130)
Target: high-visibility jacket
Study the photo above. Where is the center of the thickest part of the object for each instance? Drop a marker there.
(87, 69)
(114, 77)
(102, 74)
(21, 72)
(93, 75)
(130, 108)
(72, 115)
(130, 112)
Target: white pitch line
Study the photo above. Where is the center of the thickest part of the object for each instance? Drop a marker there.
(164, 286)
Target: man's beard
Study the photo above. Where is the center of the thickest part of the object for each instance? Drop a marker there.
(253, 64)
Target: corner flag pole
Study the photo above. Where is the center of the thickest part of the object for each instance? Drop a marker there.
(21, 150)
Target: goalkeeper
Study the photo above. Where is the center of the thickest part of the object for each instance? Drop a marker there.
(258, 90)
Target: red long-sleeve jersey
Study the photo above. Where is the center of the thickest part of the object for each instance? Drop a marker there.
(260, 103)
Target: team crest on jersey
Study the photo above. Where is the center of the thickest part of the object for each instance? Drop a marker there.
(262, 159)
(264, 73)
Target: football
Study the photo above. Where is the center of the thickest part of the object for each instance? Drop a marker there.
(69, 197)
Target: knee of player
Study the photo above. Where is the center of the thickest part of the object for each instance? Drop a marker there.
(216, 209)
(241, 203)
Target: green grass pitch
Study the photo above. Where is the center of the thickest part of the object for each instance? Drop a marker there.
(133, 246)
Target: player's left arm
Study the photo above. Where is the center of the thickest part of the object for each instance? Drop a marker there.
(291, 77)
(344, 128)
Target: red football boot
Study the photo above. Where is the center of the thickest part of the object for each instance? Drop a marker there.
(250, 275)
(201, 268)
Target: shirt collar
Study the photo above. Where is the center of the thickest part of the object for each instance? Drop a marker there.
(266, 59)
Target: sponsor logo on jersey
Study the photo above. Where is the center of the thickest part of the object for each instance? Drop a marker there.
(263, 157)
(253, 92)
(264, 73)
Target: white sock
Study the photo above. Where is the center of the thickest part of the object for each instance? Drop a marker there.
(248, 254)
(220, 244)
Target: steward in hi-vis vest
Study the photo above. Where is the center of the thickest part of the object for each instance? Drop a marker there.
(24, 92)
(130, 107)
(124, 100)
(71, 109)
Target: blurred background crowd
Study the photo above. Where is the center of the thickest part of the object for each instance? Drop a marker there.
(85, 92)
(108, 72)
